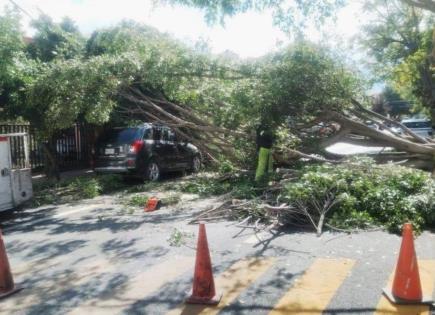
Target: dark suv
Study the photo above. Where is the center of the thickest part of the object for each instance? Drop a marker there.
(144, 151)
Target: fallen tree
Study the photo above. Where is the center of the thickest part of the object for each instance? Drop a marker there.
(214, 103)
(215, 141)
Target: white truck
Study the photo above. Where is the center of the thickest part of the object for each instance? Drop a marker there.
(15, 182)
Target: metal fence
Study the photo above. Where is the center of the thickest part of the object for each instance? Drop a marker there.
(71, 147)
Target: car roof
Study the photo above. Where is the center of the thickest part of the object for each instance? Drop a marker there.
(415, 120)
(146, 125)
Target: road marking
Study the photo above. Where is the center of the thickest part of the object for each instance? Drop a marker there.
(137, 288)
(427, 278)
(312, 293)
(230, 283)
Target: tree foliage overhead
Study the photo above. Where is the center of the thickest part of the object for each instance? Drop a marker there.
(287, 14)
(55, 40)
(394, 33)
(304, 80)
(422, 4)
(400, 38)
(11, 46)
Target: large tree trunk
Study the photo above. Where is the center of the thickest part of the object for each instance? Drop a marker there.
(51, 166)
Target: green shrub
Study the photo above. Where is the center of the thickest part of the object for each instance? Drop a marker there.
(110, 182)
(225, 166)
(138, 201)
(43, 197)
(204, 187)
(171, 199)
(244, 189)
(366, 194)
(178, 238)
(66, 190)
(241, 187)
(86, 187)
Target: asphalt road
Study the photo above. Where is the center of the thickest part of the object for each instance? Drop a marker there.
(94, 258)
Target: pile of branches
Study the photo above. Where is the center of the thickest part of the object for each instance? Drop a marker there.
(270, 212)
(266, 212)
(213, 141)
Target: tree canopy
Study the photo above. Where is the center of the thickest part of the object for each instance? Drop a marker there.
(133, 72)
(11, 47)
(55, 40)
(400, 38)
(287, 14)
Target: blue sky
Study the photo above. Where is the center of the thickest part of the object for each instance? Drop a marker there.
(249, 35)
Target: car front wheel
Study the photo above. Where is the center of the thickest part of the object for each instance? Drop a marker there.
(153, 171)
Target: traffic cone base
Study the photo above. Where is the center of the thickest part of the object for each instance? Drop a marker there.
(13, 291)
(7, 285)
(207, 301)
(426, 300)
(203, 291)
(406, 286)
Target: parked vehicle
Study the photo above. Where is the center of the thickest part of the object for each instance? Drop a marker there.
(421, 126)
(144, 151)
(15, 182)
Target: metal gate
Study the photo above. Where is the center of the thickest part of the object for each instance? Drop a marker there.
(71, 147)
(6, 200)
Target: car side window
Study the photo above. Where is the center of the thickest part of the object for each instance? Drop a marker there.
(148, 134)
(171, 135)
(165, 135)
(157, 133)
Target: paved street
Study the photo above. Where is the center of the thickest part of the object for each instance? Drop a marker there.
(92, 258)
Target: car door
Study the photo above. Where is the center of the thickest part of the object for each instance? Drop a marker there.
(172, 155)
(185, 154)
(159, 150)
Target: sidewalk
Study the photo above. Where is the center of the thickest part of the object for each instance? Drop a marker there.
(64, 175)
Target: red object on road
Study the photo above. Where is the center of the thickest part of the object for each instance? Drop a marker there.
(7, 286)
(152, 204)
(406, 285)
(203, 291)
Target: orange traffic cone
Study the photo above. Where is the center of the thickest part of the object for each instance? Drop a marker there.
(203, 291)
(406, 285)
(7, 286)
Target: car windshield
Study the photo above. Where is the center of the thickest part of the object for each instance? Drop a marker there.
(417, 124)
(120, 136)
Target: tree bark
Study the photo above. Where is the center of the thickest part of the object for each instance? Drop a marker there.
(50, 164)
